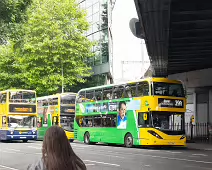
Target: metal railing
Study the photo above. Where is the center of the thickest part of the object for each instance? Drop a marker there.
(199, 132)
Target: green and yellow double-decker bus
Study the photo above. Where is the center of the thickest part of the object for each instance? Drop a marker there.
(58, 109)
(148, 112)
(18, 114)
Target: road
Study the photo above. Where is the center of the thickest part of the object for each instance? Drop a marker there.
(17, 155)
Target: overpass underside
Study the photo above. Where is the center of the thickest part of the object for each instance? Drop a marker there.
(178, 34)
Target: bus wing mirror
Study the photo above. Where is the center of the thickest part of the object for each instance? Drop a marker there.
(145, 116)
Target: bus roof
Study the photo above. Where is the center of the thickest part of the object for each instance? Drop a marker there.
(14, 90)
(67, 93)
(55, 95)
(46, 97)
(154, 79)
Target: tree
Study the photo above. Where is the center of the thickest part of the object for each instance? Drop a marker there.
(11, 74)
(54, 43)
(12, 14)
(12, 17)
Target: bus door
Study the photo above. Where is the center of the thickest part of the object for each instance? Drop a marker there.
(55, 120)
(144, 122)
(3, 133)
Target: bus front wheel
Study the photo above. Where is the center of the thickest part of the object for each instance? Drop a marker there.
(25, 141)
(128, 141)
(87, 138)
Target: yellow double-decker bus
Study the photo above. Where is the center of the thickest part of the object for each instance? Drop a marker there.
(18, 114)
(57, 109)
(144, 112)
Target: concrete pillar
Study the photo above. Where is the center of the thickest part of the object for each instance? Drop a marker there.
(195, 106)
(210, 107)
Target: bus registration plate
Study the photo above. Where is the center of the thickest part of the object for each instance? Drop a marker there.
(171, 143)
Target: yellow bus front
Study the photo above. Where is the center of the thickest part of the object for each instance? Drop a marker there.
(18, 114)
(67, 114)
(161, 120)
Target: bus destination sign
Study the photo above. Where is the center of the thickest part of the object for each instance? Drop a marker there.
(67, 109)
(22, 108)
(170, 103)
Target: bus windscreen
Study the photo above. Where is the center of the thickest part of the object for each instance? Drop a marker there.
(168, 89)
(22, 97)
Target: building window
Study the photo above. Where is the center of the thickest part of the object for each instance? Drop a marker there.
(97, 16)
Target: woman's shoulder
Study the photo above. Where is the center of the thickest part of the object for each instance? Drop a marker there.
(37, 165)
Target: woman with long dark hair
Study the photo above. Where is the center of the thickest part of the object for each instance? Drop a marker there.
(57, 153)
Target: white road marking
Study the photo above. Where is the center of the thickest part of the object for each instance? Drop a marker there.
(115, 156)
(89, 164)
(200, 167)
(104, 163)
(179, 159)
(199, 155)
(163, 157)
(102, 154)
(193, 156)
(13, 150)
(7, 167)
(34, 147)
(86, 146)
(7, 151)
(147, 165)
(38, 144)
(173, 152)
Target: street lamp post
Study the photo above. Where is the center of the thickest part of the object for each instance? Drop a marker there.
(62, 77)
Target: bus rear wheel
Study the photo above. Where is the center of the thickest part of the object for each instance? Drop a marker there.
(87, 138)
(128, 141)
(25, 141)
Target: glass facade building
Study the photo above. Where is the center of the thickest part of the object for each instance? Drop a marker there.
(99, 18)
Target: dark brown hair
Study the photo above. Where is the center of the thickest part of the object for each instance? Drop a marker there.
(58, 153)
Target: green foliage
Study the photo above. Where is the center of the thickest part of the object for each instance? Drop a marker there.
(11, 73)
(51, 41)
(54, 42)
(12, 14)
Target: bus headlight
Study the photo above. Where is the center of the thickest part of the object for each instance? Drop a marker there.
(11, 132)
(154, 134)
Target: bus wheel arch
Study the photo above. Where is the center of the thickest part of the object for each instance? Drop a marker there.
(128, 140)
(87, 137)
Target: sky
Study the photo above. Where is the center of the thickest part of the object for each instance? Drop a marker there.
(126, 47)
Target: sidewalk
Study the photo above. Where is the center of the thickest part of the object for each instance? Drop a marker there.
(200, 146)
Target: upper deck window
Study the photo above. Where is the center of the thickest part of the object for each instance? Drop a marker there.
(22, 97)
(80, 97)
(98, 94)
(107, 93)
(143, 88)
(89, 95)
(168, 89)
(3, 97)
(68, 99)
(118, 92)
(130, 90)
(53, 101)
